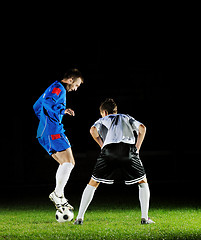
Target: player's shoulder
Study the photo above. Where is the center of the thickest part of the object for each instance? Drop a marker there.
(126, 116)
(57, 88)
(112, 116)
(103, 120)
(129, 118)
(59, 85)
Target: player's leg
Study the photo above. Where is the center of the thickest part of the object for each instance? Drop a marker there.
(93, 183)
(60, 149)
(134, 172)
(144, 196)
(62, 153)
(66, 164)
(86, 199)
(99, 174)
(64, 156)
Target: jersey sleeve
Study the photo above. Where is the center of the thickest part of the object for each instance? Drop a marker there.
(37, 107)
(134, 124)
(97, 124)
(101, 128)
(54, 101)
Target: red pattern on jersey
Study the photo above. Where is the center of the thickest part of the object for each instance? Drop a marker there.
(56, 91)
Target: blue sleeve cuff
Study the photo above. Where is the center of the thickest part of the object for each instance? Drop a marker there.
(63, 111)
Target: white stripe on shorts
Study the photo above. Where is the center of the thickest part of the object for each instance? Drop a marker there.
(102, 180)
(135, 180)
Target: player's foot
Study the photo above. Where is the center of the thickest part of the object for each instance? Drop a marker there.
(59, 202)
(65, 203)
(78, 221)
(56, 200)
(144, 221)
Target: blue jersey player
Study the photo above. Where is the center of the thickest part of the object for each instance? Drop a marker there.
(50, 109)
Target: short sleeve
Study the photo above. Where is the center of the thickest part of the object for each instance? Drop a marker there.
(134, 124)
(97, 124)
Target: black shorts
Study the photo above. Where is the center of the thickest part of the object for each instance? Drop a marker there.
(118, 162)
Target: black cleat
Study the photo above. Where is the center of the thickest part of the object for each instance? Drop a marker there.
(78, 222)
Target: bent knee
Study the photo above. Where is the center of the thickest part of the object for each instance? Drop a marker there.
(144, 180)
(93, 183)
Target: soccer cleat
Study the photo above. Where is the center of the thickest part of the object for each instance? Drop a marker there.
(60, 202)
(56, 200)
(144, 221)
(65, 203)
(78, 222)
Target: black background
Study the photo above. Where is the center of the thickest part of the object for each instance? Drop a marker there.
(150, 72)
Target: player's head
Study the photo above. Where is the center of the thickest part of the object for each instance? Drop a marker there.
(108, 107)
(73, 79)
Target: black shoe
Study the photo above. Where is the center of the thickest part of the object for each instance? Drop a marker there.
(78, 222)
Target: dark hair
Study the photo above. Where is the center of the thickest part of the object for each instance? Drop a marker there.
(109, 105)
(73, 73)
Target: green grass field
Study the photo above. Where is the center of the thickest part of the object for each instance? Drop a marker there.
(110, 218)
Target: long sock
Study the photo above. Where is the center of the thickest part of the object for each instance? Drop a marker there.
(144, 195)
(87, 197)
(62, 176)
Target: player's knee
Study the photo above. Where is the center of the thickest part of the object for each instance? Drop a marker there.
(93, 183)
(143, 181)
(68, 161)
(67, 158)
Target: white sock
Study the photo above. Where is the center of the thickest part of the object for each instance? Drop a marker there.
(62, 176)
(144, 195)
(87, 197)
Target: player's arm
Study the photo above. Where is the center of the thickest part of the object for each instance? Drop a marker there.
(141, 135)
(54, 101)
(95, 136)
(58, 108)
(51, 104)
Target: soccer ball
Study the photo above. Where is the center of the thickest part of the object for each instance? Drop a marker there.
(66, 216)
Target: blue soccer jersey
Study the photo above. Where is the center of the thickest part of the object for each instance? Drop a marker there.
(49, 108)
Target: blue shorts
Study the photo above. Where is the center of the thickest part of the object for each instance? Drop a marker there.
(54, 143)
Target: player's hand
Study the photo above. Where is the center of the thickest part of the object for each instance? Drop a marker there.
(70, 112)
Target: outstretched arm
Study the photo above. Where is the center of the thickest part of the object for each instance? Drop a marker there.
(141, 135)
(95, 136)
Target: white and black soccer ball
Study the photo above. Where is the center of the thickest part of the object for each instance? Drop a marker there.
(66, 216)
